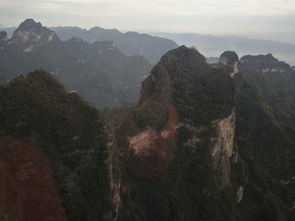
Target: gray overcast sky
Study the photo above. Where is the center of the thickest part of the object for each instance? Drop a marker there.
(200, 16)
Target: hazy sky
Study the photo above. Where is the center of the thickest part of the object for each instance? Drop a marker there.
(202, 16)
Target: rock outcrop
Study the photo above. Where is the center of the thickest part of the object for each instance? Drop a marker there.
(223, 148)
(231, 60)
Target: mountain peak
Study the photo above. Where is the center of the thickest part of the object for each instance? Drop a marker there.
(43, 79)
(31, 31)
(231, 60)
(269, 58)
(29, 24)
(3, 36)
(263, 62)
(98, 29)
(184, 55)
(179, 73)
(229, 57)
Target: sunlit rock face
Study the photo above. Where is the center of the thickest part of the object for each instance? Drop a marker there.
(223, 148)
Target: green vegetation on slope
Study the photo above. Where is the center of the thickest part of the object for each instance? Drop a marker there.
(36, 108)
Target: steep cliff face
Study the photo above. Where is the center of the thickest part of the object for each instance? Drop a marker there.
(273, 81)
(185, 120)
(223, 148)
(265, 136)
(37, 111)
(269, 155)
(203, 145)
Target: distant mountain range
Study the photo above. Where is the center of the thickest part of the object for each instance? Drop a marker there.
(213, 46)
(130, 43)
(281, 36)
(98, 71)
(152, 47)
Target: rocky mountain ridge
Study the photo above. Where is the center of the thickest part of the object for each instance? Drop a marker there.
(130, 43)
(98, 71)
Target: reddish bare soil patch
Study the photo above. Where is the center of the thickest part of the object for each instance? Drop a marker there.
(27, 190)
(149, 152)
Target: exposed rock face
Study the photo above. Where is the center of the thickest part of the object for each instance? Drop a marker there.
(223, 148)
(240, 194)
(27, 188)
(231, 60)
